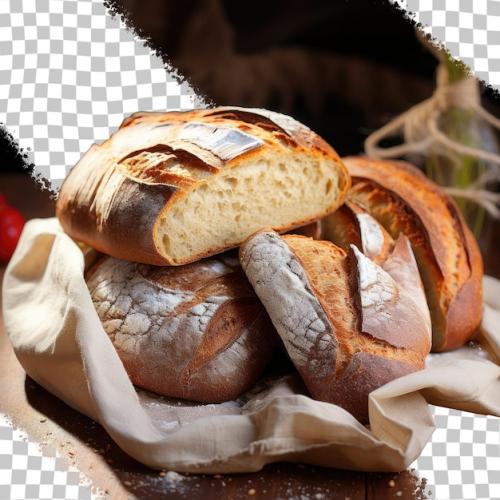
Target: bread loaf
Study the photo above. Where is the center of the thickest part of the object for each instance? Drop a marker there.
(352, 225)
(404, 201)
(171, 188)
(196, 332)
(348, 324)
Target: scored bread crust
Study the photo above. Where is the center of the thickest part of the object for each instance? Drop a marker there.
(350, 225)
(405, 201)
(353, 225)
(347, 324)
(120, 195)
(195, 332)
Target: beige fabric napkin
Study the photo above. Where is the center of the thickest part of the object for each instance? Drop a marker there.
(59, 340)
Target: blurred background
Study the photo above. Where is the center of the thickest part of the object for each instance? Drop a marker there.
(343, 67)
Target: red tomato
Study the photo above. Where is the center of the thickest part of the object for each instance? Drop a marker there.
(11, 225)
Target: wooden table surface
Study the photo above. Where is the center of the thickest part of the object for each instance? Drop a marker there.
(86, 445)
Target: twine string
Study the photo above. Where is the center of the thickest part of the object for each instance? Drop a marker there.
(419, 127)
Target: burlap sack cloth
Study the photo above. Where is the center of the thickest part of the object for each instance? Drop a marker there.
(59, 340)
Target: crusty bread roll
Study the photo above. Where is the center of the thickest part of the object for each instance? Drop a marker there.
(348, 324)
(171, 188)
(405, 201)
(196, 332)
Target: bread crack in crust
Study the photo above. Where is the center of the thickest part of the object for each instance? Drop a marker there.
(348, 324)
(171, 188)
(275, 272)
(196, 332)
(404, 201)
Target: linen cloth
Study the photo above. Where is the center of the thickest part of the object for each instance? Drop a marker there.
(59, 340)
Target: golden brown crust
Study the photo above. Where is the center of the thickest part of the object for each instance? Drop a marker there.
(329, 277)
(114, 198)
(333, 274)
(347, 324)
(341, 227)
(466, 309)
(108, 211)
(364, 373)
(350, 225)
(290, 129)
(403, 200)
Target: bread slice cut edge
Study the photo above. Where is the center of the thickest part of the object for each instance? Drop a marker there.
(278, 191)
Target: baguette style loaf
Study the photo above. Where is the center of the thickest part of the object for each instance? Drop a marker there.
(171, 188)
(195, 332)
(348, 324)
(404, 200)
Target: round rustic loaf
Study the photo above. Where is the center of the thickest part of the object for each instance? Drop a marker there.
(172, 188)
(195, 332)
(348, 324)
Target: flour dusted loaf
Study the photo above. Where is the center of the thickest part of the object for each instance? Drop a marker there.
(404, 201)
(196, 332)
(171, 188)
(348, 324)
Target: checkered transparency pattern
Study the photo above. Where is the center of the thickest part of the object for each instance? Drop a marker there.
(70, 73)
(26, 472)
(469, 29)
(462, 460)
